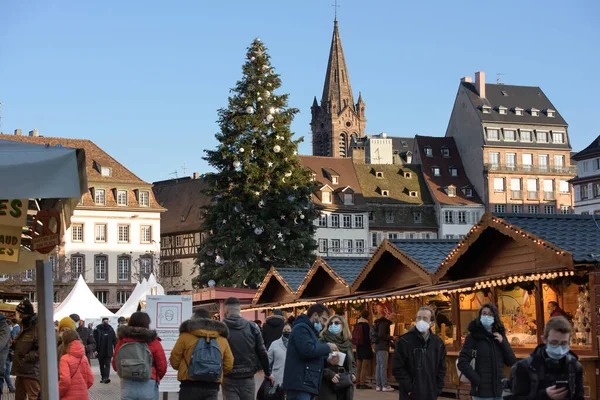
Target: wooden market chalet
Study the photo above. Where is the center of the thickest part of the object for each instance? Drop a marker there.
(519, 262)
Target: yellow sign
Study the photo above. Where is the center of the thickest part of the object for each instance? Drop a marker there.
(10, 243)
(13, 212)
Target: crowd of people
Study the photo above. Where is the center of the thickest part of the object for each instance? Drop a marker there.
(315, 356)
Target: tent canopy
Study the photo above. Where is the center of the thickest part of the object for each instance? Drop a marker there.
(146, 288)
(81, 301)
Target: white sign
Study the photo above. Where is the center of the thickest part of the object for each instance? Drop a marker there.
(13, 212)
(166, 315)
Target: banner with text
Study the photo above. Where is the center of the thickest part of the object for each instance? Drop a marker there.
(13, 216)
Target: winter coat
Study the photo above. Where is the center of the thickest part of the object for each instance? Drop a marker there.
(5, 331)
(272, 329)
(304, 359)
(491, 357)
(129, 334)
(419, 365)
(364, 351)
(190, 332)
(277, 353)
(248, 348)
(531, 376)
(326, 391)
(75, 374)
(105, 338)
(88, 340)
(26, 361)
(384, 338)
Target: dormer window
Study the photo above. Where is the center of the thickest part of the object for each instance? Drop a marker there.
(453, 171)
(385, 193)
(436, 171)
(428, 151)
(502, 110)
(313, 177)
(334, 180)
(451, 191)
(121, 197)
(445, 152)
(534, 112)
(493, 134)
(486, 109)
(550, 112)
(407, 175)
(106, 171)
(379, 174)
(468, 192)
(518, 111)
(413, 193)
(348, 199)
(326, 197)
(409, 157)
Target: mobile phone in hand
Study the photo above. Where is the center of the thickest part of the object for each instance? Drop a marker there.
(562, 384)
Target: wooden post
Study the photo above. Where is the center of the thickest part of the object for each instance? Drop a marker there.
(455, 304)
(594, 308)
(45, 292)
(539, 310)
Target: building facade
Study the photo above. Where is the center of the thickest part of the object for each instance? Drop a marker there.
(586, 185)
(114, 237)
(514, 146)
(457, 204)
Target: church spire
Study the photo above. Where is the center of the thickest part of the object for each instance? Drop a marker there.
(337, 92)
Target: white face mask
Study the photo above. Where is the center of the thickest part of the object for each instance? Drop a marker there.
(422, 326)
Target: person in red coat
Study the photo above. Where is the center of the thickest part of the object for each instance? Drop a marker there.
(75, 374)
(138, 330)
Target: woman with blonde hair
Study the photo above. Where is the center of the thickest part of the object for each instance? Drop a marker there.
(338, 380)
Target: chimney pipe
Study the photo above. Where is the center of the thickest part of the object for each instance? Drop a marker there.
(18, 132)
(34, 133)
(466, 79)
(196, 175)
(480, 83)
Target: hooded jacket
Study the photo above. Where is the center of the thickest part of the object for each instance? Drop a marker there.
(419, 365)
(26, 361)
(364, 351)
(5, 331)
(190, 332)
(128, 334)
(248, 348)
(383, 334)
(491, 357)
(272, 329)
(75, 374)
(105, 338)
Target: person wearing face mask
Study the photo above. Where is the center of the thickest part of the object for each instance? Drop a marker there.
(337, 332)
(552, 371)
(106, 340)
(419, 362)
(277, 353)
(26, 361)
(306, 355)
(487, 343)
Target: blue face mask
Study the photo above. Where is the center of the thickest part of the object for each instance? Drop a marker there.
(335, 329)
(487, 321)
(557, 352)
(318, 326)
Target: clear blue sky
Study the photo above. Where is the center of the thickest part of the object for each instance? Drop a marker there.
(143, 79)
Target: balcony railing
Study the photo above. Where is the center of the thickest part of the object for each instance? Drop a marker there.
(531, 195)
(549, 196)
(516, 194)
(343, 251)
(537, 169)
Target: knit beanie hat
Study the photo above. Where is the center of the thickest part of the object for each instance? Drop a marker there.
(66, 322)
(25, 307)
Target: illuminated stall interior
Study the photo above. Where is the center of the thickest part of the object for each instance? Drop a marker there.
(279, 286)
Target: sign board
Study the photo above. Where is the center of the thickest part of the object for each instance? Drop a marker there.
(166, 315)
(13, 212)
(47, 235)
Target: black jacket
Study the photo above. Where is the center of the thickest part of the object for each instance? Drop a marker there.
(88, 340)
(384, 338)
(248, 348)
(106, 340)
(272, 329)
(419, 365)
(532, 375)
(305, 358)
(364, 351)
(491, 357)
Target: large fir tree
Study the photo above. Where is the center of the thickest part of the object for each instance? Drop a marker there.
(262, 213)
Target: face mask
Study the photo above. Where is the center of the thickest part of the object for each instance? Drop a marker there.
(486, 321)
(557, 352)
(318, 326)
(286, 334)
(422, 326)
(335, 329)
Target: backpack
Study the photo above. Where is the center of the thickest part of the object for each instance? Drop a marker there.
(374, 333)
(134, 361)
(358, 336)
(206, 362)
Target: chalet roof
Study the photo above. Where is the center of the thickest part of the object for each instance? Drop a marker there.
(347, 268)
(593, 150)
(438, 184)
(183, 199)
(293, 276)
(393, 180)
(428, 253)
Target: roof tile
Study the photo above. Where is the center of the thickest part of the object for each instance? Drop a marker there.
(347, 268)
(428, 253)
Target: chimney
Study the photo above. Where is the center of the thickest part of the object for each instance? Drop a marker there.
(18, 132)
(480, 83)
(34, 133)
(195, 175)
(466, 79)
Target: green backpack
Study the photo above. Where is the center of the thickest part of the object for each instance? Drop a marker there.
(134, 361)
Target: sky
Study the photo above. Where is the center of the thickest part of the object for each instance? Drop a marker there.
(144, 79)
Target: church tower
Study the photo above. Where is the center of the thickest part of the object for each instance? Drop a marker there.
(338, 118)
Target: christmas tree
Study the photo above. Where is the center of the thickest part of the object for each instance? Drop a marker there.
(261, 214)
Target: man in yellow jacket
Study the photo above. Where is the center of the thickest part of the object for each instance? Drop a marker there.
(200, 327)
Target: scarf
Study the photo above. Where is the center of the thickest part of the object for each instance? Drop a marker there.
(343, 345)
(285, 341)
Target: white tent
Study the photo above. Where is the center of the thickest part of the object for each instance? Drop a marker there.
(131, 305)
(81, 301)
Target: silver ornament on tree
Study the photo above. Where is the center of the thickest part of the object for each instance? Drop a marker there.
(237, 164)
(250, 110)
(242, 150)
(270, 118)
(258, 231)
(220, 260)
(277, 148)
(267, 94)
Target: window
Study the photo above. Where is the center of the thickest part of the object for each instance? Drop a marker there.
(417, 217)
(531, 209)
(407, 175)
(379, 174)
(542, 137)
(123, 233)
(106, 171)
(558, 137)
(515, 186)
(549, 209)
(449, 236)
(323, 220)
(565, 210)
(532, 189)
(534, 112)
(436, 171)
(393, 235)
(123, 296)
(146, 236)
(335, 245)
(451, 190)
(427, 235)
(525, 136)
(548, 189)
(516, 208)
(509, 135)
(596, 164)
(498, 184)
(124, 268)
(453, 171)
(543, 162)
(326, 197)
(564, 187)
(445, 152)
(389, 217)
(178, 241)
(77, 232)
(584, 165)
(100, 233)
(493, 134)
(348, 245)
(511, 160)
(100, 268)
(29, 275)
(550, 112)
(559, 161)
(583, 192)
(411, 235)
(596, 189)
(121, 197)
(428, 152)
(527, 160)
(347, 221)
(100, 196)
(468, 192)
(144, 199)
(358, 221)
(486, 109)
(102, 296)
(448, 217)
(146, 266)
(348, 199)
(495, 159)
(502, 110)
(385, 193)
(52, 260)
(335, 220)
(322, 245)
(360, 246)
(462, 217)
(76, 267)
(585, 213)
(373, 239)
(176, 268)
(334, 180)
(499, 208)
(518, 111)
(371, 216)
(413, 193)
